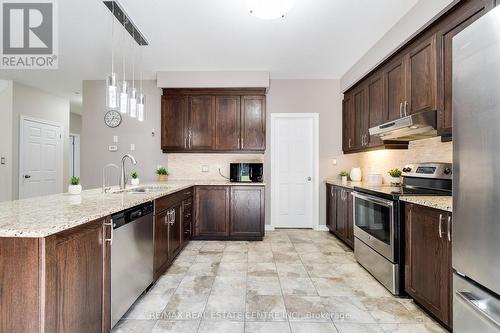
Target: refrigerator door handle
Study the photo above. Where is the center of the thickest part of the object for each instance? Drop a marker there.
(481, 306)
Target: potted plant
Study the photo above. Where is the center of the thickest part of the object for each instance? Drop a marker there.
(343, 174)
(395, 176)
(135, 178)
(162, 174)
(75, 187)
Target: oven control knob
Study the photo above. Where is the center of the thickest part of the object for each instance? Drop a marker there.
(406, 169)
(447, 171)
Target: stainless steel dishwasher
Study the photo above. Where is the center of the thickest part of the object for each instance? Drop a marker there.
(131, 258)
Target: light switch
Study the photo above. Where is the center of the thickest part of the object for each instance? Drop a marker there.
(132, 147)
(334, 161)
(113, 148)
(2, 161)
(205, 168)
(115, 138)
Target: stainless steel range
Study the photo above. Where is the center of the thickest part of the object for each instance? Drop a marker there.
(378, 220)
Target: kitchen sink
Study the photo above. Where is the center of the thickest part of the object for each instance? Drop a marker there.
(144, 189)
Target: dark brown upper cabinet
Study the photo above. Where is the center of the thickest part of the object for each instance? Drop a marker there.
(394, 76)
(253, 118)
(421, 77)
(201, 129)
(375, 105)
(416, 78)
(227, 122)
(348, 123)
(361, 117)
(458, 21)
(213, 120)
(174, 121)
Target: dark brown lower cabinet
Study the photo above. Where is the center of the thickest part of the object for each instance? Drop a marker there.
(247, 212)
(55, 284)
(229, 212)
(160, 261)
(339, 213)
(428, 271)
(172, 214)
(211, 211)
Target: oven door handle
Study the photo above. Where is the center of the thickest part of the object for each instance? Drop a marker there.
(386, 203)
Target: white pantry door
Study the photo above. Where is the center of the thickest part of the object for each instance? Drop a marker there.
(41, 159)
(293, 170)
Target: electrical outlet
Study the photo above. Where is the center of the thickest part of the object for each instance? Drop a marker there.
(113, 148)
(2, 161)
(334, 161)
(132, 147)
(205, 168)
(115, 138)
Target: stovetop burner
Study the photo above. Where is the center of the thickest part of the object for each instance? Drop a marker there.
(418, 179)
(397, 191)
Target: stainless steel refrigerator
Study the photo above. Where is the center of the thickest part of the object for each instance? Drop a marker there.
(476, 176)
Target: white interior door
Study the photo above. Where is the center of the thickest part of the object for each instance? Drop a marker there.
(41, 159)
(294, 173)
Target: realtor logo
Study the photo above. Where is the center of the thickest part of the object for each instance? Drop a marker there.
(29, 34)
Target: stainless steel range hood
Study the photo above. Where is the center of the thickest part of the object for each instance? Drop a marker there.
(414, 127)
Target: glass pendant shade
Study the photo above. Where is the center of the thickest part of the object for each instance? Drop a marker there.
(111, 92)
(133, 103)
(124, 97)
(141, 99)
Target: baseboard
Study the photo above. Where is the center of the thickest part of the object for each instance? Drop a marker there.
(269, 227)
(321, 227)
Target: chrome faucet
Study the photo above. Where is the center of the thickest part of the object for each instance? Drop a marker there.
(123, 177)
(105, 182)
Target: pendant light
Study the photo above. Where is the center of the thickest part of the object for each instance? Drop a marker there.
(141, 99)
(133, 93)
(124, 85)
(111, 87)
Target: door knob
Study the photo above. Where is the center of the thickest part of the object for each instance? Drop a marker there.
(27, 176)
(309, 179)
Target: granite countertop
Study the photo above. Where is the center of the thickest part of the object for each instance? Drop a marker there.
(438, 202)
(338, 182)
(47, 215)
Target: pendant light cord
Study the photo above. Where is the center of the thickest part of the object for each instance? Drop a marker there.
(123, 43)
(133, 58)
(113, 37)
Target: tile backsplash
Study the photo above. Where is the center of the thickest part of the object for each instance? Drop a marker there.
(191, 166)
(381, 161)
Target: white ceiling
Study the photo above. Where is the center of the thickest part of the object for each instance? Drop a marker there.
(317, 39)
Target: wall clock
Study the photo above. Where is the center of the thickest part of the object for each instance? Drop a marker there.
(113, 118)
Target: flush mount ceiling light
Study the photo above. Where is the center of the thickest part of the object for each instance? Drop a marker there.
(269, 9)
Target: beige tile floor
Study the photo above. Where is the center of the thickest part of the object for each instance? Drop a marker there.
(293, 281)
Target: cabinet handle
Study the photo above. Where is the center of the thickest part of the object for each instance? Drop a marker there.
(110, 240)
(449, 228)
(406, 108)
(401, 110)
(440, 222)
(349, 142)
(331, 191)
(239, 142)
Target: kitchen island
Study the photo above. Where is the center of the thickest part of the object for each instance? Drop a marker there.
(55, 251)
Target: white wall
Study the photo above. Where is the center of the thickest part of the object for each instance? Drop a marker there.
(75, 123)
(6, 139)
(96, 136)
(31, 102)
(419, 17)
